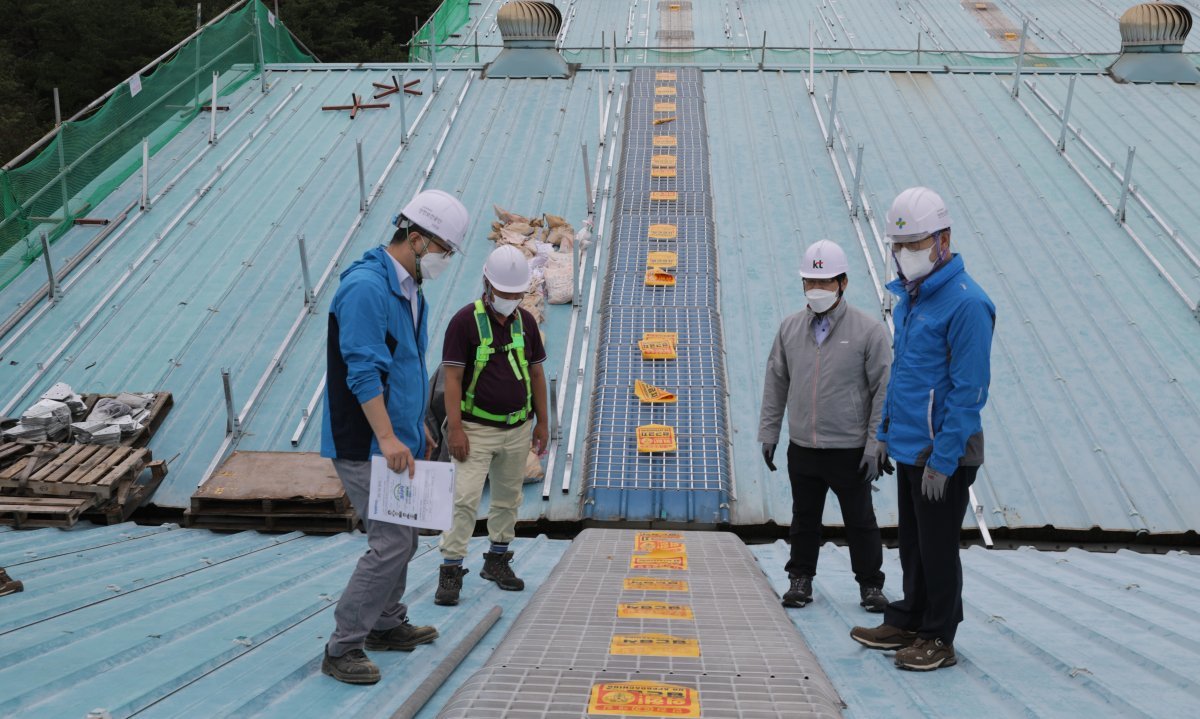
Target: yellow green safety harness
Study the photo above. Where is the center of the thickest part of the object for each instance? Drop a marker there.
(520, 366)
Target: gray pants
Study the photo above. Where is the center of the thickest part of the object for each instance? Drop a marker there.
(371, 600)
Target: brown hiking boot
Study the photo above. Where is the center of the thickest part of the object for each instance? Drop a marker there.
(404, 638)
(8, 585)
(883, 636)
(926, 655)
(353, 667)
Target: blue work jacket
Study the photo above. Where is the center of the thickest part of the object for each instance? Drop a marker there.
(373, 348)
(940, 371)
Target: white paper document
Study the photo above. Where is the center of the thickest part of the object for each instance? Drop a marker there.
(426, 500)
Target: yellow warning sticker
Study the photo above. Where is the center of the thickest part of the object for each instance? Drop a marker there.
(657, 350)
(650, 394)
(662, 171)
(654, 610)
(665, 76)
(657, 533)
(644, 699)
(664, 90)
(664, 107)
(662, 232)
(665, 140)
(662, 259)
(656, 438)
(663, 161)
(654, 584)
(666, 546)
(664, 196)
(654, 645)
(672, 337)
(656, 277)
(658, 560)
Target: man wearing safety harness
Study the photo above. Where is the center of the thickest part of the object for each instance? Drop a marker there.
(944, 323)
(376, 385)
(492, 359)
(828, 368)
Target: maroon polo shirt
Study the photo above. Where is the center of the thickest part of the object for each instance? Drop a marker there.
(499, 390)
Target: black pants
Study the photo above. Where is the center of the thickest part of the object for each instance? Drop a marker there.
(813, 473)
(929, 533)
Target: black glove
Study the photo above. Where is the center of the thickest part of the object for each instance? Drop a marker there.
(768, 452)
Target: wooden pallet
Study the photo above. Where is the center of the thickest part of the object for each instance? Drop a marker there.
(28, 512)
(163, 401)
(313, 524)
(65, 470)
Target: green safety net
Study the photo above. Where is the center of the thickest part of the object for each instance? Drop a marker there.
(445, 21)
(90, 157)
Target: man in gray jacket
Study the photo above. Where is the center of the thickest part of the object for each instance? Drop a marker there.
(829, 369)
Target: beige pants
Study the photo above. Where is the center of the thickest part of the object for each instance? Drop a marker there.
(500, 454)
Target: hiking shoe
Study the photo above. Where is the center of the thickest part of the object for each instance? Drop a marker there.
(449, 584)
(925, 655)
(8, 585)
(497, 568)
(800, 593)
(404, 638)
(353, 667)
(872, 599)
(883, 636)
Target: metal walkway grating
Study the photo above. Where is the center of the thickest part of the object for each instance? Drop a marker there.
(606, 636)
(664, 205)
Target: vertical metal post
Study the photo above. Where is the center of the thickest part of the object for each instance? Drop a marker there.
(262, 63)
(830, 130)
(600, 113)
(309, 298)
(477, 47)
(858, 176)
(555, 424)
(587, 178)
(277, 23)
(762, 58)
(362, 183)
(145, 174)
(433, 49)
(196, 73)
(212, 113)
(53, 286)
(1062, 134)
(812, 83)
(1125, 184)
(918, 48)
(1016, 91)
(403, 120)
(62, 158)
(198, 12)
(232, 424)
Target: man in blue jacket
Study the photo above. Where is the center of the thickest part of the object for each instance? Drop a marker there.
(375, 392)
(939, 384)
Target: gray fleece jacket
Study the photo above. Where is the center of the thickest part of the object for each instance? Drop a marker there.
(833, 393)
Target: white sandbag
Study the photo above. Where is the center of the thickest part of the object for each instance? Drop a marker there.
(560, 279)
(535, 304)
(533, 467)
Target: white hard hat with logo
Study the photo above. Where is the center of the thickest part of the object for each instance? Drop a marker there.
(823, 260)
(439, 213)
(916, 213)
(507, 269)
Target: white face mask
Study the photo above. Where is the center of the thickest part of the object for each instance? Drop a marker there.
(504, 307)
(432, 264)
(915, 264)
(821, 300)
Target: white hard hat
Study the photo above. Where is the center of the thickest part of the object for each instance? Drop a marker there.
(822, 260)
(507, 269)
(917, 213)
(439, 213)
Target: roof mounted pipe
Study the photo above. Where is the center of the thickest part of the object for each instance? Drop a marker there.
(1152, 37)
(530, 31)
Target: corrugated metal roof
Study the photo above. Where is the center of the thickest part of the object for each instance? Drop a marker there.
(170, 622)
(1094, 388)
(1046, 634)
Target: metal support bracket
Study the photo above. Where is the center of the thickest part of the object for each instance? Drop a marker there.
(1125, 185)
(233, 425)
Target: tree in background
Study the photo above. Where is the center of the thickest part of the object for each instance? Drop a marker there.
(87, 47)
